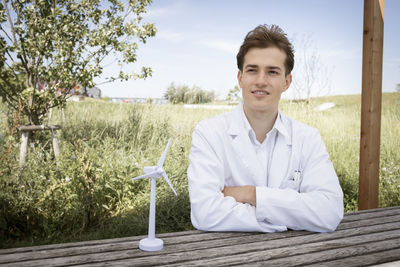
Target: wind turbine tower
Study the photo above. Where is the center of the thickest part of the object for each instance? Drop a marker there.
(151, 243)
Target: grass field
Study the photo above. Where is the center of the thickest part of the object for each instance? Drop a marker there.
(87, 193)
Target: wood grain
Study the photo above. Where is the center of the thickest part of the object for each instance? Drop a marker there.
(360, 235)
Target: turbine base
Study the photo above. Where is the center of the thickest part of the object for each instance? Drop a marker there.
(147, 244)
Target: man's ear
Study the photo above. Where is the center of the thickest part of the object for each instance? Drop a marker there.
(288, 81)
(239, 78)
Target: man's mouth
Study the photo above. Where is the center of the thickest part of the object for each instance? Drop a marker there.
(260, 92)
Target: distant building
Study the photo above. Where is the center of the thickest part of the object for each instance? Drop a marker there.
(143, 100)
(77, 90)
(93, 92)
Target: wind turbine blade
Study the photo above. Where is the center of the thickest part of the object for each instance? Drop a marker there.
(147, 175)
(140, 177)
(164, 154)
(168, 182)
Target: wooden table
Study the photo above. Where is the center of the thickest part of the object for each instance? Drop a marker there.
(363, 238)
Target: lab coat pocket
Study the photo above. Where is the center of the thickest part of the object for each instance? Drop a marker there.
(293, 181)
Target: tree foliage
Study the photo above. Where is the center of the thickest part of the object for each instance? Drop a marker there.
(185, 94)
(234, 94)
(47, 47)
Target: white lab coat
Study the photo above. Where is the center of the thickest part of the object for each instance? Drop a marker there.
(222, 155)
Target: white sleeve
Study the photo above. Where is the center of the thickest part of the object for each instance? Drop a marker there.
(317, 206)
(210, 210)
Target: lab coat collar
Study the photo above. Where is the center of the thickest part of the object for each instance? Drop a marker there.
(236, 126)
(282, 128)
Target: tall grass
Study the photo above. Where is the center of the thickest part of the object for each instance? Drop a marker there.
(87, 192)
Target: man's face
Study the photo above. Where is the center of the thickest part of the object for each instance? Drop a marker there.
(263, 79)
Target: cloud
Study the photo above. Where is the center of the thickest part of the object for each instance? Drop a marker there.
(158, 12)
(170, 36)
(229, 47)
(175, 8)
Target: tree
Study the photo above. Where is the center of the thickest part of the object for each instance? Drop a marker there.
(49, 46)
(310, 76)
(176, 94)
(184, 94)
(234, 94)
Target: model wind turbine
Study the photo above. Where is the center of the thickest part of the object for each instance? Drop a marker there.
(151, 243)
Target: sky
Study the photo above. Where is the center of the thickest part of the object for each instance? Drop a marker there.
(197, 42)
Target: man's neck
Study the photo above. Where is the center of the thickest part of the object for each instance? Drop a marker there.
(261, 121)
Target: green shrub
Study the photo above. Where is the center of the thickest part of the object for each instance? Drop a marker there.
(89, 186)
(87, 192)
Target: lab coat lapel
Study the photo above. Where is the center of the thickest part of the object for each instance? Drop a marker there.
(243, 148)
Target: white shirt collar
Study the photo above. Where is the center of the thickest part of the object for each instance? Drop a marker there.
(278, 125)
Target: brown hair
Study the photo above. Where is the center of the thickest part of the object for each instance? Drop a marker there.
(264, 36)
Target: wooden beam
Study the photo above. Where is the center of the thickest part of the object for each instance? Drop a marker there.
(368, 191)
(28, 128)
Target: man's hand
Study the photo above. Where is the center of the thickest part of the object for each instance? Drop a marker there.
(244, 194)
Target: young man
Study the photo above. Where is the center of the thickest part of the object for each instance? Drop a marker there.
(254, 169)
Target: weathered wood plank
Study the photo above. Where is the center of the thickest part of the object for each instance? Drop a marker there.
(201, 246)
(349, 217)
(308, 253)
(373, 221)
(113, 244)
(177, 244)
(196, 243)
(133, 255)
(368, 215)
(370, 259)
(371, 210)
(178, 236)
(348, 252)
(179, 239)
(395, 263)
(95, 242)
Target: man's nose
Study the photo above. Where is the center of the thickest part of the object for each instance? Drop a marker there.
(261, 79)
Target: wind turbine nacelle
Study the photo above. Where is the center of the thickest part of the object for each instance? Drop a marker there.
(149, 169)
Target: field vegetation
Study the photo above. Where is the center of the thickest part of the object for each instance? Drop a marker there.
(87, 192)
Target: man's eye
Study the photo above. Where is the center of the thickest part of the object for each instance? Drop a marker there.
(273, 72)
(251, 70)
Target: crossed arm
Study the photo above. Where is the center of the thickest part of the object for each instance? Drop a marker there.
(243, 194)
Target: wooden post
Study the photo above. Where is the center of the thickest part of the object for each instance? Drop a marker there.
(26, 129)
(56, 148)
(24, 148)
(371, 101)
